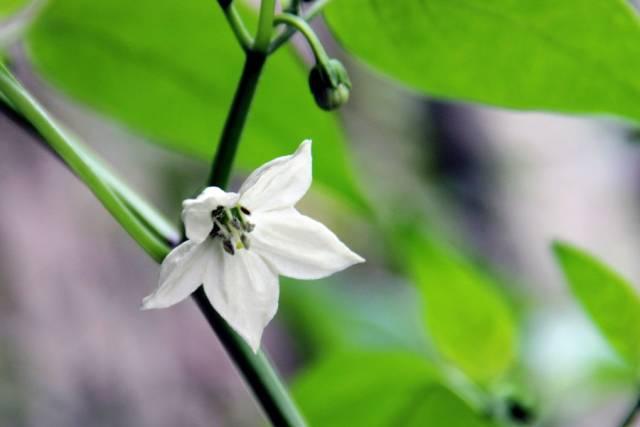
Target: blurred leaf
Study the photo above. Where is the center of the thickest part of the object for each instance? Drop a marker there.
(378, 390)
(466, 316)
(576, 56)
(333, 315)
(169, 69)
(7, 7)
(610, 301)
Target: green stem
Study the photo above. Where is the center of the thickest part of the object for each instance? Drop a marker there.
(305, 29)
(309, 15)
(19, 99)
(255, 368)
(631, 416)
(234, 124)
(236, 24)
(265, 26)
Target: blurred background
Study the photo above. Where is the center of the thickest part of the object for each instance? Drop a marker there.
(499, 186)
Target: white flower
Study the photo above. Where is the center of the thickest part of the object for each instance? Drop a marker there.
(238, 244)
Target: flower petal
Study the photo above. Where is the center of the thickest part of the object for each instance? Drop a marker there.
(298, 246)
(279, 183)
(180, 274)
(196, 213)
(244, 292)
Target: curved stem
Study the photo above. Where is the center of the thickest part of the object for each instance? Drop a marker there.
(265, 26)
(310, 14)
(26, 105)
(236, 24)
(305, 29)
(631, 416)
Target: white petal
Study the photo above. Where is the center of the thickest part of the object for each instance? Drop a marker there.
(196, 213)
(279, 183)
(180, 274)
(298, 246)
(244, 292)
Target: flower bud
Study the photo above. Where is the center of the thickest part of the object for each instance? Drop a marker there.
(330, 85)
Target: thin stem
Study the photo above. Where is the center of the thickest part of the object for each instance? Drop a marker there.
(631, 416)
(236, 24)
(265, 26)
(26, 105)
(255, 368)
(308, 16)
(305, 29)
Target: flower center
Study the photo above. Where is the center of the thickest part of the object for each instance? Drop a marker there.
(230, 225)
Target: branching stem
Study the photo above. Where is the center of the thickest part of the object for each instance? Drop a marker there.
(236, 24)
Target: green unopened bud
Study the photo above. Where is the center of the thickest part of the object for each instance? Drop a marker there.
(330, 85)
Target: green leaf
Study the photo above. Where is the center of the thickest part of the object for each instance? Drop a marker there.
(609, 300)
(168, 70)
(468, 319)
(7, 7)
(575, 56)
(378, 390)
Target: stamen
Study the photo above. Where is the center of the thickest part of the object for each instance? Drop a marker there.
(228, 247)
(245, 241)
(230, 225)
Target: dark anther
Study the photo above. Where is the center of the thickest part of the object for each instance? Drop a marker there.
(245, 241)
(228, 247)
(245, 210)
(215, 231)
(249, 227)
(217, 211)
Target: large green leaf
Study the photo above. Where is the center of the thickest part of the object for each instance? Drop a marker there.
(168, 69)
(577, 56)
(610, 301)
(378, 390)
(468, 319)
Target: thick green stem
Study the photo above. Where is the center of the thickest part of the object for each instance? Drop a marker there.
(19, 99)
(255, 368)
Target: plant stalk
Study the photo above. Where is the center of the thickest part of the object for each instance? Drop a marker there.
(20, 100)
